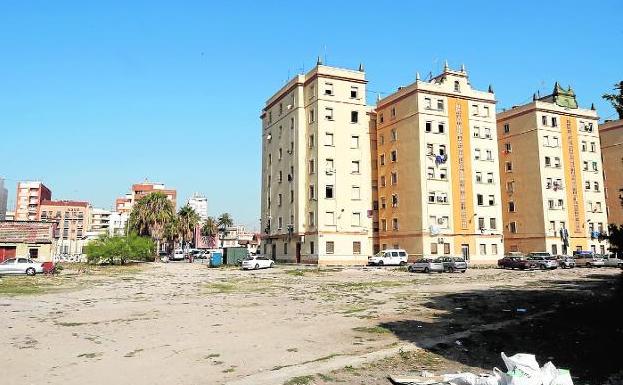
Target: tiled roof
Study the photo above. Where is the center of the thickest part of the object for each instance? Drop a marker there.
(26, 232)
(64, 203)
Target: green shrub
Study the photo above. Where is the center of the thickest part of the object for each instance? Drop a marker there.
(120, 249)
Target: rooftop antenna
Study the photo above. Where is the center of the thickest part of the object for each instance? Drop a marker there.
(417, 76)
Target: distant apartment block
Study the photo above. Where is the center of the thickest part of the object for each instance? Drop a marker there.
(100, 221)
(29, 198)
(4, 196)
(436, 186)
(552, 176)
(199, 203)
(316, 195)
(73, 219)
(124, 204)
(611, 139)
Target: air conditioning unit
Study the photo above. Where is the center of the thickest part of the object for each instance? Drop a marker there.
(440, 221)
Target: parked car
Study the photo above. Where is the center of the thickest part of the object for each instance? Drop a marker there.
(543, 260)
(516, 262)
(257, 262)
(20, 266)
(389, 257)
(427, 265)
(611, 260)
(452, 264)
(565, 261)
(587, 259)
(178, 255)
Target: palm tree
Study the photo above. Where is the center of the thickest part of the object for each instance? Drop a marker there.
(187, 221)
(171, 233)
(224, 221)
(210, 227)
(151, 214)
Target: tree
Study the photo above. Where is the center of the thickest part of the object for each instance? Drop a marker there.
(187, 221)
(210, 227)
(120, 249)
(151, 214)
(615, 237)
(171, 234)
(224, 221)
(616, 99)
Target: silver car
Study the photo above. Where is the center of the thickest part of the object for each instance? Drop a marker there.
(20, 266)
(427, 265)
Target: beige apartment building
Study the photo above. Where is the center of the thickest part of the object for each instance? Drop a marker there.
(30, 194)
(611, 138)
(73, 219)
(124, 204)
(316, 193)
(552, 180)
(437, 165)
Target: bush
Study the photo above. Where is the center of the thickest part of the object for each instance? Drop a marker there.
(120, 249)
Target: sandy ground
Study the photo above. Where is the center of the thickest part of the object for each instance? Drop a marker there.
(182, 323)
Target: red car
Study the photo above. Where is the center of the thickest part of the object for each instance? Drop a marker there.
(516, 263)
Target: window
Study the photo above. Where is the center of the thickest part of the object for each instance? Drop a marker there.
(430, 173)
(311, 218)
(394, 178)
(554, 122)
(384, 224)
(394, 135)
(596, 186)
(490, 178)
(486, 111)
(494, 249)
(477, 153)
(457, 86)
(481, 223)
(394, 155)
(329, 164)
(279, 223)
(328, 113)
(550, 203)
(354, 92)
(429, 149)
(513, 227)
(440, 104)
(354, 141)
(491, 200)
(382, 159)
(330, 247)
(446, 248)
(381, 120)
(355, 167)
(442, 149)
(544, 120)
(355, 193)
(312, 91)
(279, 199)
(394, 200)
(546, 141)
(428, 103)
(557, 162)
(478, 177)
(311, 247)
(483, 249)
(394, 223)
(312, 166)
(488, 133)
(511, 207)
(33, 253)
(312, 117)
(554, 142)
(583, 146)
(328, 88)
(330, 218)
(593, 147)
(489, 154)
(594, 164)
(493, 224)
(509, 166)
(585, 166)
(561, 203)
(587, 185)
(311, 141)
(328, 139)
(280, 153)
(312, 192)
(280, 176)
(356, 247)
(285, 248)
(393, 112)
(443, 173)
(354, 116)
(355, 219)
(507, 128)
(480, 199)
(329, 192)
(433, 248)
(548, 161)
(508, 147)
(383, 183)
(291, 196)
(475, 109)
(381, 139)
(441, 128)
(429, 126)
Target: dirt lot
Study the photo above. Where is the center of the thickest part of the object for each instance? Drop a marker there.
(187, 324)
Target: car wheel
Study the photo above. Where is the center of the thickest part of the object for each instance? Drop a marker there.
(426, 270)
(451, 270)
(589, 265)
(272, 264)
(381, 263)
(463, 271)
(31, 271)
(257, 266)
(402, 263)
(542, 267)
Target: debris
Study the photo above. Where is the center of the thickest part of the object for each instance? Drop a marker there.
(426, 374)
(521, 310)
(458, 343)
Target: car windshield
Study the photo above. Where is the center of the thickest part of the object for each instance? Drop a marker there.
(12, 260)
(458, 259)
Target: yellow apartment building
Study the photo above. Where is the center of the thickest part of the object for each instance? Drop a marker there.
(316, 195)
(551, 171)
(611, 138)
(437, 180)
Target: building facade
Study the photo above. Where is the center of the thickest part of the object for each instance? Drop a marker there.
(552, 179)
(118, 223)
(316, 193)
(611, 139)
(29, 198)
(73, 219)
(100, 221)
(124, 204)
(437, 180)
(4, 196)
(199, 203)
(32, 239)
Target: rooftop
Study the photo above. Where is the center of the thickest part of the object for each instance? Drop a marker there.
(26, 232)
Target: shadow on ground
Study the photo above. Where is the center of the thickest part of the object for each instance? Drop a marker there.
(576, 324)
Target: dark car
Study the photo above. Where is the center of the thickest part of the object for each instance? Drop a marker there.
(514, 262)
(452, 264)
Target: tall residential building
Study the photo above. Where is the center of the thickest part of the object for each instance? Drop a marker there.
(100, 221)
(29, 198)
(316, 194)
(199, 203)
(611, 138)
(4, 196)
(124, 204)
(117, 224)
(74, 220)
(552, 180)
(437, 169)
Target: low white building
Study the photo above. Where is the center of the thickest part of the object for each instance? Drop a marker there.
(100, 221)
(117, 223)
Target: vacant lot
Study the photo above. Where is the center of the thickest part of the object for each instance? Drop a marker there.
(187, 324)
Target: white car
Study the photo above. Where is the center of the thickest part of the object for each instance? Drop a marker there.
(20, 266)
(257, 262)
(612, 261)
(389, 257)
(178, 255)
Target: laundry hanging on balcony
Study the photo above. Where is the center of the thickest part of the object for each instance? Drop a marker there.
(440, 159)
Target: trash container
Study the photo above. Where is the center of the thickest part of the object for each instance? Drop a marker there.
(216, 259)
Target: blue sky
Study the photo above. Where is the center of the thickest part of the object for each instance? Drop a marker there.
(95, 96)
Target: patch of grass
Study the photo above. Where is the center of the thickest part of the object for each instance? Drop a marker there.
(300, 380)
(292, 350)
(230, 369)
(89, 355)
(366, 285)
(220, 287)
(106, 270)
(133, 352)
(24, 285)
(296, 272)
(326, 377)
(354, 309)
(372, 329)
(213, 355)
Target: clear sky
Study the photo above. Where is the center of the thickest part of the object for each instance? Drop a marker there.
(95, 96)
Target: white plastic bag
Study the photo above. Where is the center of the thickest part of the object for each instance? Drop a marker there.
(548, 373)
(472, 379)
(562, 378)
(522, 369)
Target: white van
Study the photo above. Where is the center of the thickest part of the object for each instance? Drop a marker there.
(178, 255)
(389, 257)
